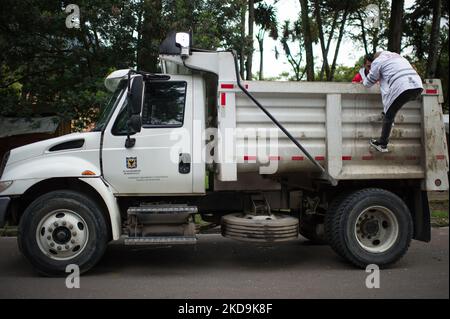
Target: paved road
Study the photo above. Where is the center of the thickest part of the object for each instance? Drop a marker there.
(222, 268)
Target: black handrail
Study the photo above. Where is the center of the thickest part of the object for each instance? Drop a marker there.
(327, 176)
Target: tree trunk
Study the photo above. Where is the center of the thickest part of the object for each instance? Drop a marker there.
(326, 66)
(251, 21)
(395, 26)
(139, 33)
(434, 39)
(152, 35)
(261, 57)
(363, 33)
(330, 37)
(338, 44)
(307, 40)
(333, 26)
(242, 53)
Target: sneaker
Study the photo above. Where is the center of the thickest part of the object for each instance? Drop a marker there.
(379, 147)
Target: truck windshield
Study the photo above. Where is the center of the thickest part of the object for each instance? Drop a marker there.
(109, 107)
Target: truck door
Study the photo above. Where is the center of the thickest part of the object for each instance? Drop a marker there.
(160, 160)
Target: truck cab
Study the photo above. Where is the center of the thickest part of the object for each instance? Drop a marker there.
(162, 160)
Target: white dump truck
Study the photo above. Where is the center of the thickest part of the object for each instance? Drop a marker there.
(264, 161)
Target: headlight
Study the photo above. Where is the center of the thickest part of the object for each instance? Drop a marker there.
(4, 185)
(3, 164)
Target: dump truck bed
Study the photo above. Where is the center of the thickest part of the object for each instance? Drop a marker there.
(334, 122)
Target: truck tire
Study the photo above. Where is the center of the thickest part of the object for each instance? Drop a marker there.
(369, 226)
(331, 211)
(61, 228)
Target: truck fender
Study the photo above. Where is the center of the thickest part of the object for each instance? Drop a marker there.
(105, 191)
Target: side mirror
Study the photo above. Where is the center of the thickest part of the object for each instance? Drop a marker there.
(135, 102)
(136, 95)
(134, 124)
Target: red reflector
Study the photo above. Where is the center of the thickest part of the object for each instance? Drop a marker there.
(346, 158)
(298, 158)
(367, 158)
(223, 99)
(440, 157)
(274, 158)
(431, 91)
(249, 158)
(246, 86)
(320, 158)
(227, 86)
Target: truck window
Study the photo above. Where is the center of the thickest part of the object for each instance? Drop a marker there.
(164, 104)
(120, 125)
(108, 109)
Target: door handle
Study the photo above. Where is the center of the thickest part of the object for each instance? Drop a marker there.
(184, 163)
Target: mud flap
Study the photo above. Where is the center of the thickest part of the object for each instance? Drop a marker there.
(421, 216)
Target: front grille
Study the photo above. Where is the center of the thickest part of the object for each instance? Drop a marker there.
(3, 164)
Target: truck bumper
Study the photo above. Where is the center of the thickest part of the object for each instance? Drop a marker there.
(4, 204)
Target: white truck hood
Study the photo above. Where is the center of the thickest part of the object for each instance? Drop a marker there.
(42, 148)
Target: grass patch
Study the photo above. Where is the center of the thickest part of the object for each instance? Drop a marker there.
(439, 214)
(199, 221)
(203, 226)
(439, 218)
(8, 231)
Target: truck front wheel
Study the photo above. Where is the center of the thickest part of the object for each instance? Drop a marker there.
(62, 228)
(370, 226)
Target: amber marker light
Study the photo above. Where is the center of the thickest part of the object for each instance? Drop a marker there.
(88, 173)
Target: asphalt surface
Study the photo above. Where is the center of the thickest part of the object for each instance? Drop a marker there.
(221, 268)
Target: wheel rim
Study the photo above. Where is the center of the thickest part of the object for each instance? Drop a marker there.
(376, 229)
(62, 234)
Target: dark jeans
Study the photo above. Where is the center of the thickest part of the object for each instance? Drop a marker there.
(402, 99)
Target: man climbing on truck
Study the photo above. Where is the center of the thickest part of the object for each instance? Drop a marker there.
(399, 83)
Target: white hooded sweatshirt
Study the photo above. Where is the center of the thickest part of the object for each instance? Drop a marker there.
(395, 74)
(362, 72)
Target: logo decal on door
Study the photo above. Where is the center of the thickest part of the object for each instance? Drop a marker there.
(131, 162)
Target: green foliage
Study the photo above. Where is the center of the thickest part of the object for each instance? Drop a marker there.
(266, 19)
(345, 73)
(367, 35)
(292, 33)
(50, 69)
(417, 30)
(47, 68)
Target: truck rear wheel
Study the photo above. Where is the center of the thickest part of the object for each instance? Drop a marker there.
(62, 228)
(370, 226)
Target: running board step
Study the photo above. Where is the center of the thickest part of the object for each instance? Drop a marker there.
(160, 214)
(161, 240)
(162, 209)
